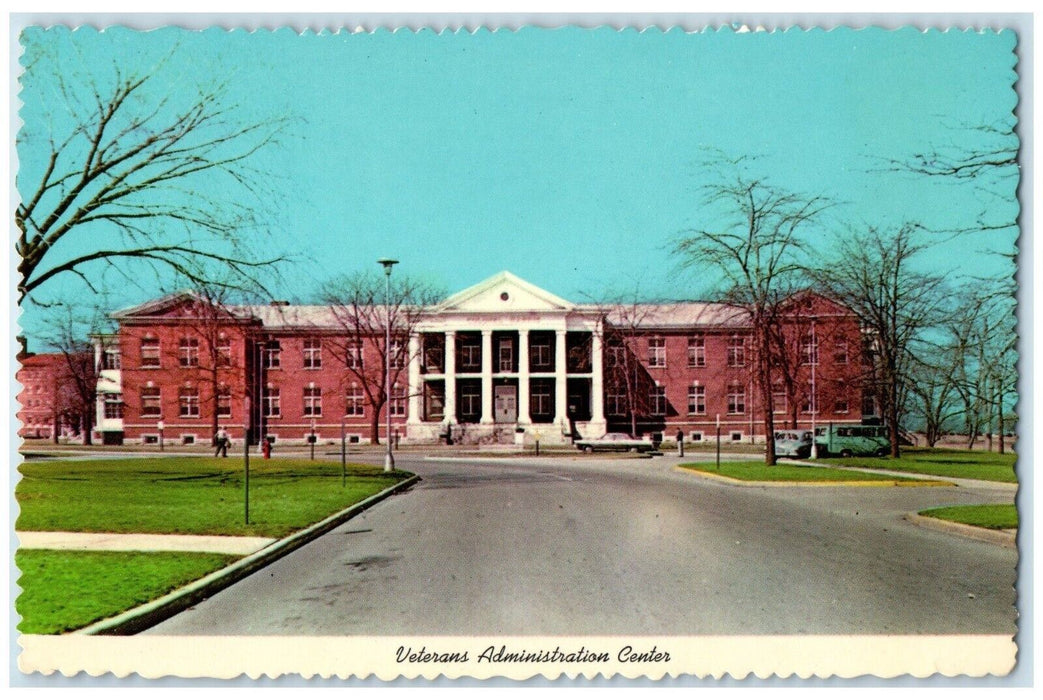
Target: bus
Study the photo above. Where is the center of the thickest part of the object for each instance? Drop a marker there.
(852, 440)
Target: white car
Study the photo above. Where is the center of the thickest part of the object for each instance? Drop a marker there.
(620, 442)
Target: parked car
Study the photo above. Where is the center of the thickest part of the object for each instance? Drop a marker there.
(793, 443)
(852, 441)
(620, 442)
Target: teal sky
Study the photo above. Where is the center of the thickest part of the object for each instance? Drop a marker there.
(572, 157)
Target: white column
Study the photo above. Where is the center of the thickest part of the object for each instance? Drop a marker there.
(450, 376)
(487, 377)
(415, 387)
(561, 396)
(597, 380)
(523, 378)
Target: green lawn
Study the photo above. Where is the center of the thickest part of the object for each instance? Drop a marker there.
(957, 464)
(995, 516)
(63, 591)
(188, 495)
(757, 471)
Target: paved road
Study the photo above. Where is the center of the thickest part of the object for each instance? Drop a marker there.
(573, 546)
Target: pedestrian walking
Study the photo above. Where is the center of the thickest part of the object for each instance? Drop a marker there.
(680, 443)
(221, 441)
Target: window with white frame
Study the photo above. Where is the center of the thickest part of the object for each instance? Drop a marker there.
(223, 351)
(541, 399)
(696, 400)
(188, 352)
(110, 358)
(840, 352)
(398, 353)
(696, 351)
(657, 400)
(736, 351)
(113, 406)
(809, 350)
(616, 402)
(150, 353)
(840, 406)
(657, 352)
(355, 401)
(398, 401)
(224, 402)
(780, 402)
(270, 402)
(271, 354)
(312, 353)
(188, 402)
(151, 406)
(353, 355)
(736, 399)
(312, 401)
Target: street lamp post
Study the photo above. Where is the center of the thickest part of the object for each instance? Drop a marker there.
(160, 427)
(343, 453)
(388, 263)
(814, 406)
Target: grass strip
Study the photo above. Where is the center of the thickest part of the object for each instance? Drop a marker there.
(757, 471)
(955, 464)
(994, 516)
(189, 495)
(67, 590)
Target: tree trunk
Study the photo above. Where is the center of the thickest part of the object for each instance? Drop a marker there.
(1000, 422)
(88, 425)
(374, 426)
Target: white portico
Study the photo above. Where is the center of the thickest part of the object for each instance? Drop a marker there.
(505, 355)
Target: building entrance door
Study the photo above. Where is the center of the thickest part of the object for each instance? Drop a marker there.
(505, 404)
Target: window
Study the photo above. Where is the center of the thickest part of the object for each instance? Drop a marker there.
(869, 407)
(271, 355)
(470, 356)
(150, 402)
(434, 401)
(616, 355)
(697, 351)
(398, 354)
(355, 402)
(736, 399)
(150, 353)
(697, 437)
(840, 406)
(224, 402)
(657, 352)
(807, 405)
(540, 358)
(188, 402)
(270, 402)
(809, 350)
(840, 352)
(353, 355)
(616, 402)
(398, 401)
(736, 436)
(188, 352)
(541, 399)
(657, 400)
(223, 351)
(312, 401)
(312, 353)
(696, 400)
(113, 406)
(470, 400)
(110, 358)
(736, 351)
(506, 351)
(780, 402)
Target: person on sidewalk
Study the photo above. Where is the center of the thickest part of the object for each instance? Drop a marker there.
(680, 443)
(221, 443)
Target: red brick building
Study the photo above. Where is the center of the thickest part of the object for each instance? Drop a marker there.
(500, 361)
(43, 400)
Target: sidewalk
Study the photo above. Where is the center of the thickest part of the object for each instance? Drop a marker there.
(111, 542)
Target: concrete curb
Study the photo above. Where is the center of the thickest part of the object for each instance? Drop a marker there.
(144, 616)
(1004, 538)
(915, 483)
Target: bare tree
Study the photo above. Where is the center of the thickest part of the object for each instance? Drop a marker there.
(625, 374)
(357, 304)
(120, 167)
(754, 244)
(69, 329)
(873, 273)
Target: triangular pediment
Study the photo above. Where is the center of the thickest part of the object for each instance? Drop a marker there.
(185, 304)
(504, 292)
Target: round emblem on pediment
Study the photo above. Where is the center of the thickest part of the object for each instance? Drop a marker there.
(504, 296)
